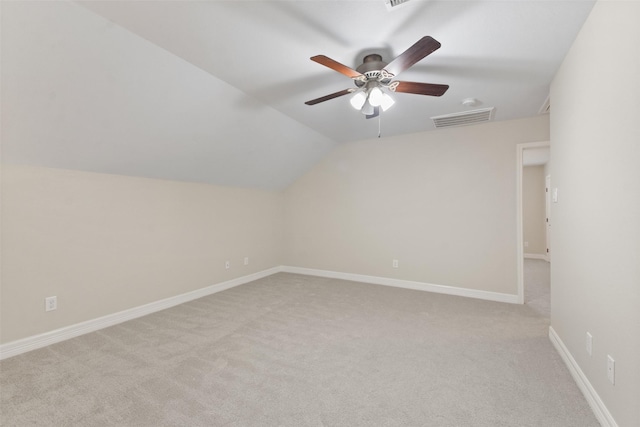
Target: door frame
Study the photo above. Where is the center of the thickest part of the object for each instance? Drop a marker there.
(547, 213)
(519, 213)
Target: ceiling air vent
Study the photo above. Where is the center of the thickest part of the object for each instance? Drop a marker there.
(464, 118)
(393, 4)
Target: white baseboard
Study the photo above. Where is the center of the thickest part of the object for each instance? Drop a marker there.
(42, 340)
(599, 409)
(537, 256)
(407, 284)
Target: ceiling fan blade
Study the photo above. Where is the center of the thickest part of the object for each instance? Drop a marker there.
(328, 97)
(335, 65)
(415, 53)
(419, 88)
(376, 113)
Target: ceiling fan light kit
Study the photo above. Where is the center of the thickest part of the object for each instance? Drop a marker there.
(373, 78)
(371, 96)
(375, 96)
(358, 100)
(386, 102)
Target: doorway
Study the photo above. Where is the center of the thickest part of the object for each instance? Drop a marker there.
(532, 154)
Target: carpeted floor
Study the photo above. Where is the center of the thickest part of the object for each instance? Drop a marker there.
(291, 350)
(537, 289)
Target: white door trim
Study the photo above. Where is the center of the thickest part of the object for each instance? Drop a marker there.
(547, 213)
(519, 227)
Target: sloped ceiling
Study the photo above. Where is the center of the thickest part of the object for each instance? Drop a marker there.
(214, 91)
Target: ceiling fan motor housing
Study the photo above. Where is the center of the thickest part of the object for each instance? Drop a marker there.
(371, 67)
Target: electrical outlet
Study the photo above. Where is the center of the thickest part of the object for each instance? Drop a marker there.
(589, 343)
(227, 265)
(246, 260)
(611, 369)
(526, 244)
(395, 263)
(50, 303)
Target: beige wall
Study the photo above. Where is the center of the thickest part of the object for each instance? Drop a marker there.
(443, 203)
(595, 144)
(105, 243)
(533, 209)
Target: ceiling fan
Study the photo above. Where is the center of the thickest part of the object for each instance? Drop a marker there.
(373, 78)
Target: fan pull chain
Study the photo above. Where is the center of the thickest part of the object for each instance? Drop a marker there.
(379, 125)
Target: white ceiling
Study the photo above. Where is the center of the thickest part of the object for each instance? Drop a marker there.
(214, 91)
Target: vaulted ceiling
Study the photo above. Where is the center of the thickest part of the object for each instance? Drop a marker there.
(214, 91)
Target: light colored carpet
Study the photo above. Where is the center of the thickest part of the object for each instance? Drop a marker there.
(537, 289)
(291, 350)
